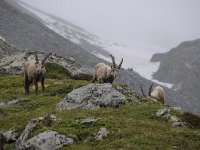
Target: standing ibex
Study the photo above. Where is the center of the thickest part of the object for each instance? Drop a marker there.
(157, 93)
(2, 141)
(104, 73)
(34, 71)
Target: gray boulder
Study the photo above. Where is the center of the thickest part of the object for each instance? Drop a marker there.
(93, 96)
(48, 140)
(102, 133)
(21, 143)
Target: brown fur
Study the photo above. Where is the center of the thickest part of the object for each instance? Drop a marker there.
(2, 141)
(34, 71)
(157, 93)
(106, 74)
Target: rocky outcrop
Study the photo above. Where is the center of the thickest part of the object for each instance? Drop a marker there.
(181, 67)
(21, 142)
(13, 64)
(93, 96)
(165, 113)
(48, 140)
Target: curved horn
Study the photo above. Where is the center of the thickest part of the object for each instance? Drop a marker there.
(120, 64)
(150, 89)
(36, 58)
(45, 58)
(113, 61)
(142, 90)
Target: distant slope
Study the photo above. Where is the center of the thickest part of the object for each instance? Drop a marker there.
(75, 34)
(181, 67)
(25, 32)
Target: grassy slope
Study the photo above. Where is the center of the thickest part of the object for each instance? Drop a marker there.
(132, 126)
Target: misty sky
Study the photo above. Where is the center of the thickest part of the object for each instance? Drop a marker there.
(155, 25)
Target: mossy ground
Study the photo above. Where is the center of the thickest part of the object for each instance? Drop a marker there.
(132, 126)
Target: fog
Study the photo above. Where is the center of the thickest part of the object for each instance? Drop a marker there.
(145, 26)
(163, 23)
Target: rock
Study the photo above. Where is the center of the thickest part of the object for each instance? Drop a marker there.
(176, 121)
(30, 127)
(88, 121)
(10, 136)
(179, 123)
(131, 95)
(48, 140)
(11, 103)
(13, 64)
(103, 132)
(164, 113)
(92, 96)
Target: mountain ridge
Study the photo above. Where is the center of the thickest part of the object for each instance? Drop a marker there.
(181, 66)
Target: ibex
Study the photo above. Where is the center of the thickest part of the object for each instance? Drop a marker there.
(2, 141)
(157, 93)
(34, 71)
(106, 74)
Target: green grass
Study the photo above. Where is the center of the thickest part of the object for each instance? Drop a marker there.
(132, 126)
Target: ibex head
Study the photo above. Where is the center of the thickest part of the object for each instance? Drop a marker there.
(114, 68)
(40, 64)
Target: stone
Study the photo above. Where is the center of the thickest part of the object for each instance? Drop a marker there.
(88, 121)
(93, 96)
(11, 103)
(163, 113)
(10, 136)
(102, 133)
(48, 140)
(29, 129)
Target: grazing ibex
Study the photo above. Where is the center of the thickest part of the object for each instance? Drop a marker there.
(106, 74)
(34, 71)
(157, 93)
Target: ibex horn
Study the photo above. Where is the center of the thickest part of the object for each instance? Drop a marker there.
(150, 89)
(120, 64)
(113, 61)
(45, 58)
(142, 90)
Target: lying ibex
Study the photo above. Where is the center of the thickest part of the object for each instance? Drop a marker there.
(106, 74)
(34, 71)
(157, 93)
